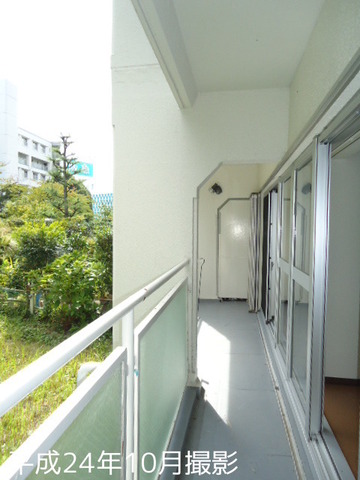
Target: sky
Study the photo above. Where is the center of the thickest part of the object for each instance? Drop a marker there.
(57, 53)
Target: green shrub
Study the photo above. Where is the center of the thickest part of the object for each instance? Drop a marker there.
(12, 275)
(103, 244)
(78, 232)
(73, 286)
(39, 244)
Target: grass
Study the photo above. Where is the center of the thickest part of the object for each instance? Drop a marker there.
(21, 342)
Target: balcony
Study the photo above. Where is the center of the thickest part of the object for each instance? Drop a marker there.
(129, 417)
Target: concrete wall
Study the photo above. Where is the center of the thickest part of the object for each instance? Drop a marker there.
(342, 325)
(332, 45)
(162, 154)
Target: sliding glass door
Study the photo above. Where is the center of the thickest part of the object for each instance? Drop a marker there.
(293, 313)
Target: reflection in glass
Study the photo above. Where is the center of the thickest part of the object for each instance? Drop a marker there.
(284, 297)
(285, 220)
(300, 336)
(303, 218)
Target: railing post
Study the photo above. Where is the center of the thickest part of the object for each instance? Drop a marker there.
(128, 342)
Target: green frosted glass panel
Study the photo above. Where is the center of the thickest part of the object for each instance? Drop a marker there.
(162, 379)
(96, 429)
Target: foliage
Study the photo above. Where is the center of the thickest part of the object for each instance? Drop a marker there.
(39, 244)
(103, 238)
(21, 343)
(67, 194)
(78, 235)
(68, 258)
(28, 205)
(73, 286)
(50, 241)
(12, 274)
(10, 191)
(77, 204)
(13, 202)
(8, 244)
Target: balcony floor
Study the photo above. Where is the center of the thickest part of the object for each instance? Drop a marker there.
(239, 411)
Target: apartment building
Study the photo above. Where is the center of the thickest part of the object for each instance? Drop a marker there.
(33, 158)
(25, 156)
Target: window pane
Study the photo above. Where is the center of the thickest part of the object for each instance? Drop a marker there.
(300, 335)
(284, 302)
(303, 218)
(285, 220)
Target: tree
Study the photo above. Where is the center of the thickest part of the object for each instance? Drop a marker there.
(67, 194)
(39, 244)
(20, 204)
(8, 245)
(11, 191)
(103, 242)
(52, 243)
(73, 286)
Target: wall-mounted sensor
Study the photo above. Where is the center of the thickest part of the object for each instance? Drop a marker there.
(306, 188)
(216, 189)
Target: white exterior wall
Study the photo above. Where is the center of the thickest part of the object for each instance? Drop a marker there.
(8, 129)
(162, 154)
(332, 45)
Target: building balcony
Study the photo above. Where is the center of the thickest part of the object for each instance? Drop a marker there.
(148, 412)
(127, 425)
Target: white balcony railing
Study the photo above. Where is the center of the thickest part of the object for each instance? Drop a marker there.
(102, 430)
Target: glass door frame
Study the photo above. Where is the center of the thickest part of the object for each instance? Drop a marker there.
(318, 299)
(309, 417)
(313, 282)
(284, 266)
(309, 404)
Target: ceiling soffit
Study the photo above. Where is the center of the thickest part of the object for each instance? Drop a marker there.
(219, 45)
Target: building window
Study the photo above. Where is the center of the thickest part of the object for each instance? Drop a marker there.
(42, 178)
(43, 148)
(23, 174)
(39, 164)
(35, 176)
(23, 140)
(23, 159)
(35, 145)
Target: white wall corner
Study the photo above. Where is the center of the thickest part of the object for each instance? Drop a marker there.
(161, 26)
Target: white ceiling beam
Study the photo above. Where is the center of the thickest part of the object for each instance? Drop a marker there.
(160, 23)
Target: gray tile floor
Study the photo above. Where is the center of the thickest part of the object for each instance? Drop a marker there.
(239, 412)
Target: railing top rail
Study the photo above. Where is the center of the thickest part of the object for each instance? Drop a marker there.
(17, 387)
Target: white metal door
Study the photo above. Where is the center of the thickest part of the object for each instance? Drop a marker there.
(233, 248)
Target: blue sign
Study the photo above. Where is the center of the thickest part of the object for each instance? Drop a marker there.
(84, 169)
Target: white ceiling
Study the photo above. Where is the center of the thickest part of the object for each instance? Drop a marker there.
(242, 44)
(218, 45)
